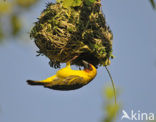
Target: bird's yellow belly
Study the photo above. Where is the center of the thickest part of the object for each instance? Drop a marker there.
(68, 72)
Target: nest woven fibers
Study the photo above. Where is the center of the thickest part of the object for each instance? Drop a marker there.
(64, 32)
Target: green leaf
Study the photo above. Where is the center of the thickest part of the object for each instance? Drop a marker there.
(67, 3)
(153, 4)
(77, 3)
(109, 93)
(71, 3)
(16, 24)
(92, 1)
(26, 3)
(1, 33)
(58, 1)
(89, 2)
(111, 108)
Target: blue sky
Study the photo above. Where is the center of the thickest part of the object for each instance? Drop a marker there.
(134, 71)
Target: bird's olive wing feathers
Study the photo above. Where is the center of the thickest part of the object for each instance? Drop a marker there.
(69, 83)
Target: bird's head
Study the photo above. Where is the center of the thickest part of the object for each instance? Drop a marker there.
(89, 69)
(87, 66)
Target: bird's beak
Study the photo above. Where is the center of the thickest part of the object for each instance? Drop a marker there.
(86, 64)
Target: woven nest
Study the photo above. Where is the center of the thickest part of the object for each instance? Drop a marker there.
(62, 33)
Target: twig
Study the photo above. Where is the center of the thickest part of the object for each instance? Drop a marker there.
(114, 90)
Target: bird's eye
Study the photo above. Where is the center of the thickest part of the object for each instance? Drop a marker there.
(90, 67)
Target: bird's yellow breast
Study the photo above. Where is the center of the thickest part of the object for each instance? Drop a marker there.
(86, 75)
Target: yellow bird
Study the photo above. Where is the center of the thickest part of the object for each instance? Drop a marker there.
(68, 79)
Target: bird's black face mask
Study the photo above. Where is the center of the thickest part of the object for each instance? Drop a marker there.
(87, 65)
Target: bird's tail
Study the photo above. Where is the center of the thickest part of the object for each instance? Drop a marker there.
(31, 82)
(42, 82)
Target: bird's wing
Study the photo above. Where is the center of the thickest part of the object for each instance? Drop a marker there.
(69, 83)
